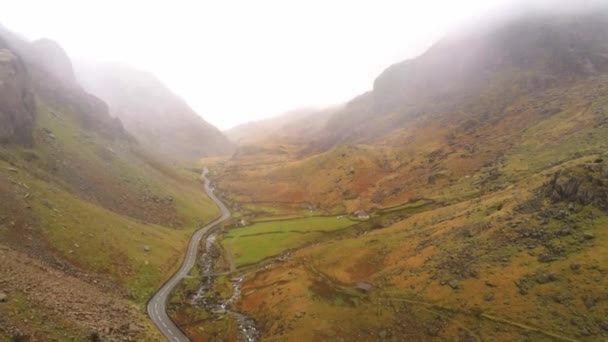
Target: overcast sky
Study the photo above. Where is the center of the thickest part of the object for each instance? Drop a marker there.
(237, 61)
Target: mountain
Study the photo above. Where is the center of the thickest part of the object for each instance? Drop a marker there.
(474, 95)
(91, 223)
(160, 120)
(296, 126)
(475, 175)
(531, 54)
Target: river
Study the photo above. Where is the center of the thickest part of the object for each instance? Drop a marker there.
(247, 328)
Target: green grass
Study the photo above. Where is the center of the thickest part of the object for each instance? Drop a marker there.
(266, 239)
(104, 242)
(82, 220)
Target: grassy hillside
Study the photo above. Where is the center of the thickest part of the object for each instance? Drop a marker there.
(457, 154)
(90, 224)
(486, 184)
(496, 267)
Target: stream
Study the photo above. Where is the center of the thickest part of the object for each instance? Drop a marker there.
(247, 328)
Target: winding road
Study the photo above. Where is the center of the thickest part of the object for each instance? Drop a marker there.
(157, 305)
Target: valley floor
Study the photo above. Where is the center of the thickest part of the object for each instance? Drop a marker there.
(523, 262)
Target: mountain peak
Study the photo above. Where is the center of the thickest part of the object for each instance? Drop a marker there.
(49, 55)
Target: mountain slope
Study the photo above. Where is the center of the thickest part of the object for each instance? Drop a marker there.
(531, 54)
(297, 126)
(483, 166)
(420, 133)
(90, 223)
(157, 118)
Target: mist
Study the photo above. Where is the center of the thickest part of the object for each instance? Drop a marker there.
(236, 62)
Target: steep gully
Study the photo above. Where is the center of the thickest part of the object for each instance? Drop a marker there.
(158, 303)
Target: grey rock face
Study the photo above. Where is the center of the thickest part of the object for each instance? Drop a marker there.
(17, 106)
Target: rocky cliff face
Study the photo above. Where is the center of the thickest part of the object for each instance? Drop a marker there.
(17, 106)
(43, 68)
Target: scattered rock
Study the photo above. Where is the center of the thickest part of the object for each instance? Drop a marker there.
(575, 267)
(585, 332)
(488, 297)
(588, 236)
(542, 279)
(546, 278)
(146, 248)
(490, 284)
(589, 302)
(545, 258)
(604, 325)
(435, 326)
(559, 298)
(3, 297)
(454, 284)
(523, 288)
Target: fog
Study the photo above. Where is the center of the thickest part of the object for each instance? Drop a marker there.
(237, 61)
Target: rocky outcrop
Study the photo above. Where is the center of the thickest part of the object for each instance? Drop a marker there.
(17, 106)
(584, 184)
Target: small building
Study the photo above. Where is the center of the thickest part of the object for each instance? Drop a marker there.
(361, 215)
(363, 287)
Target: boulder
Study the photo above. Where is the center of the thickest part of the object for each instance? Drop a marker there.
(588, 236)
(589, 301)
(546, 278)
(3, 297)
(454, 284)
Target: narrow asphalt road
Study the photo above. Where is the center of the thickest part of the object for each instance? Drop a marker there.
(157, 305)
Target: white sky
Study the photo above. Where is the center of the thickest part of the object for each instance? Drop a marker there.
(237, 61)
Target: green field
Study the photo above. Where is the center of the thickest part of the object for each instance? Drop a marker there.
(261, 240)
